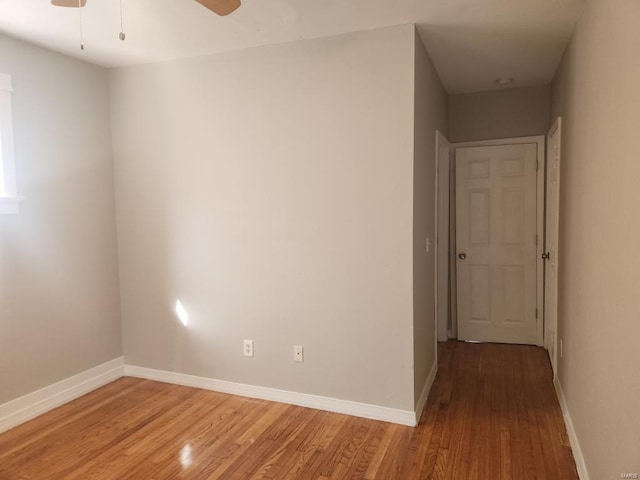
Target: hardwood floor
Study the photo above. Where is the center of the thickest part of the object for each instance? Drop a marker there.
(492, 414)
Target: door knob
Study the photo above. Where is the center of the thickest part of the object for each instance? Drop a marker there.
(462, 256)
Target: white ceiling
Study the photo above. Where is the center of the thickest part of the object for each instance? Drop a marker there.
(472, 42)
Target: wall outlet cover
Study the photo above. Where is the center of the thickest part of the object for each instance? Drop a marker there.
(248, 348)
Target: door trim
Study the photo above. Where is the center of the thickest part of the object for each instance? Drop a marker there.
(441, 241)
(551, 333)
(539, 140)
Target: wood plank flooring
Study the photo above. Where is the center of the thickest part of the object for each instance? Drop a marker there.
(492, 414)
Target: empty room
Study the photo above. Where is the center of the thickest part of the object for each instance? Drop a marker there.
(341, 239)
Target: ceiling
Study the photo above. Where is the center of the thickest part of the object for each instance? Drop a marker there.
(472, 42)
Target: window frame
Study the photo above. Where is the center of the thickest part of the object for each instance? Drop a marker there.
(9, 199)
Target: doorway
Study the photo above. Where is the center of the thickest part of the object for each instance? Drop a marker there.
(551, 255)
(499, 217)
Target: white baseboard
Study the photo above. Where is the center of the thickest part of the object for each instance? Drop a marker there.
(424, 395)
(573, 438)
(374, 412)
(25, 408)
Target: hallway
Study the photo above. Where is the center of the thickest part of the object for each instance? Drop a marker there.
(493, 414)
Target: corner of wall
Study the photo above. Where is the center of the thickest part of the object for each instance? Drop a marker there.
(430, 114)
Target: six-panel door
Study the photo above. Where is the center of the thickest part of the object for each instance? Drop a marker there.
(496, 243)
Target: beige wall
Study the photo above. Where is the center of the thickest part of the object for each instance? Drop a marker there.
(59, 300)
(596, 92)
(271, 191)
(430, 114)
(517, 112)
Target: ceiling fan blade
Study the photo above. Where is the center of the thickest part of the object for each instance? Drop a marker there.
(221, 7)
(68, 3)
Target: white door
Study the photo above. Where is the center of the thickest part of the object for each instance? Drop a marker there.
(551, 242)
(442, 237)
(496, 225)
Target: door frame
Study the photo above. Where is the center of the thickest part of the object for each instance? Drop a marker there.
(441, 243)
(539, 140)
(551, 330)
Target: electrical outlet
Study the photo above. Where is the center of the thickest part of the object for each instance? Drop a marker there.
(248, 348)
(298, 353)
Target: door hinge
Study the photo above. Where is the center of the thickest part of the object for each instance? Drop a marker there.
(536, 313)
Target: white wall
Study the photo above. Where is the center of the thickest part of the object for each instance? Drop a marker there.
(271, 190)
(596, 92)
(516, 112)
(430, 115)
(59, 293)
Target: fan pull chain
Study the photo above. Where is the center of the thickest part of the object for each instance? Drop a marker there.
(81, 30)
(122, 36)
